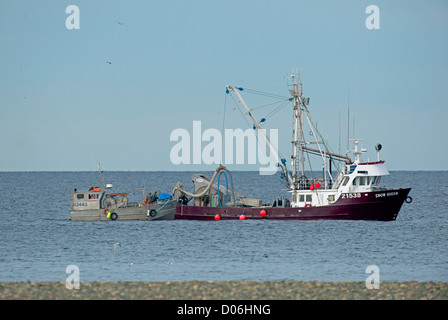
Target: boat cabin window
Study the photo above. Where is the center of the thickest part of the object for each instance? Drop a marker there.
(93, 196)
(80, 196)
(367, 181)
(305, 198)
(331, 198)
(360, 181)
(376, 180)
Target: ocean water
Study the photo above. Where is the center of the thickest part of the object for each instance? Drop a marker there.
(38, 241)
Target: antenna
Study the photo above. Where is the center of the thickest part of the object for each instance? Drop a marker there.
(348, 114)
(101, 175)
(339, 132)
(348, 128)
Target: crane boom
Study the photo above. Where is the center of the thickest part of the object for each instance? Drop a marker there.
(273, 151)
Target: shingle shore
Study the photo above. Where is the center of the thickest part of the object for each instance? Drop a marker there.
(224, 290)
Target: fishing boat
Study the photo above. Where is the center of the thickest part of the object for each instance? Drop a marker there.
(97, 204)
(351, 192)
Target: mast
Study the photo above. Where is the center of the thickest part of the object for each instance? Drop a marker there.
(298, 139)
(297, 142)
(294, 141)
(300, 146)
(298, 180)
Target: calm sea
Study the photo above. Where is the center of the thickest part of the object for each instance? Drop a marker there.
(38, 241)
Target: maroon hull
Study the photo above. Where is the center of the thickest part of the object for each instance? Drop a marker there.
(379, 205)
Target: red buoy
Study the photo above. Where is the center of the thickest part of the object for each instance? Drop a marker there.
(217, 217)
(263, 213)
(242, 217)
(317, 184)
(312, 187)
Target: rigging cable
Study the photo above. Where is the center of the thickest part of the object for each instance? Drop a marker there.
(270, 104)
(223, 122)
(266, 94)
(240, 111)
(328, 148)
(286, 174)
(273, 112)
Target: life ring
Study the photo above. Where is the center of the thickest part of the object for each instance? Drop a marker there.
(106, 211)
(113, 216)
(153, 213)
(408, 199)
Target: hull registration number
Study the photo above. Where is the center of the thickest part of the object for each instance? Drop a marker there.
(80, 204)
(351, 195)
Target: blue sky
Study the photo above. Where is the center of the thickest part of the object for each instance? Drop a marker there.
(63, 108)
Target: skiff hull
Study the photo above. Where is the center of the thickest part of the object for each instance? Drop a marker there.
(151, 212)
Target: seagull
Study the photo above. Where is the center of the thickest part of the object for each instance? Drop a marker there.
(108, 62)
(116, 245)
(121, 24)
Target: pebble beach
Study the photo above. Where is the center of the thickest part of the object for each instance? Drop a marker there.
(224, 290)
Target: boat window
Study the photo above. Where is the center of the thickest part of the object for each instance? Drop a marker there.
(94, 196)
(80, 196)
(376, 180)
(305, 198)
(345, 180)
(331, 198)
(362, 181)
(359, 181)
